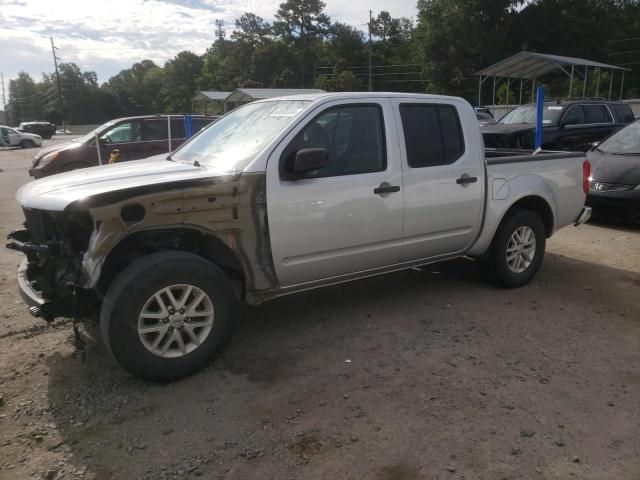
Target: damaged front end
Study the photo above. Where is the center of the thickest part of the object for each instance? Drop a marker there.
(51, 275)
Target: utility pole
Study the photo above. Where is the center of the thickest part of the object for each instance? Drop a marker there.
(4, 101)
(55, 63)
(370, 60)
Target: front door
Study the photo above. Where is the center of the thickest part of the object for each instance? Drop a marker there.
(13, 137)
(125, 138)
(345, 217)
(443, 179)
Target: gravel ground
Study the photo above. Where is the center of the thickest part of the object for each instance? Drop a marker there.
(426, 374)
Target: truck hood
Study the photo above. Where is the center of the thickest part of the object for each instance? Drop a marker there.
(57, 192)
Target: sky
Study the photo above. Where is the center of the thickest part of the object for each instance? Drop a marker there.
(107, 36)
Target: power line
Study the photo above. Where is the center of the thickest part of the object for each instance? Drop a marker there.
(373, 66)
(38, 97)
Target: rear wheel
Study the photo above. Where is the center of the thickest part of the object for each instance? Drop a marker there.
(517, 250)
(167, 314)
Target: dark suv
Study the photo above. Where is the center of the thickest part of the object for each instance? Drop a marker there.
(44, 129)
(567, 125)
(130, 138)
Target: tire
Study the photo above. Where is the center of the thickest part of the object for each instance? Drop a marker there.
(135, 293)
(514, 273)
(27, 144)
(73, 166)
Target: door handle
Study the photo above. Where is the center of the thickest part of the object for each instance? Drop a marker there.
(386, 188)
(465, 179)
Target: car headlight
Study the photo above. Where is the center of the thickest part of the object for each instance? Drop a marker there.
(49, 157)
(637, 187)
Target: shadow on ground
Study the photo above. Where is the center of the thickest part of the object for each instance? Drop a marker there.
(426, 373)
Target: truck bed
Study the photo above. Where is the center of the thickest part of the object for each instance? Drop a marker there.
(498, 156)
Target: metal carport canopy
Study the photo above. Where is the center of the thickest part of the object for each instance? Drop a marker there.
(532, 65)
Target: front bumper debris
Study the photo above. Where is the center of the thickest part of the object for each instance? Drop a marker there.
(39, 306)
(46, 278)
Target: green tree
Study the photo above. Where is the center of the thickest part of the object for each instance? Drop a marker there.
(455, 38)
(180, 81)
(25, 99)
(251, 30)
(136, 89)
(301, 23)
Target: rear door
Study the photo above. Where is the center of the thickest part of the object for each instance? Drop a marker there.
(443, 180)
(574, 133)
(346, 217)
(600, 122)
(155, 134)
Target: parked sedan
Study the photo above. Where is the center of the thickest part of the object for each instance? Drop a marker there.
(614, 191)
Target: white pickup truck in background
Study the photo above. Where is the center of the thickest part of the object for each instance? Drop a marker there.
(277, 197)
(11, 137)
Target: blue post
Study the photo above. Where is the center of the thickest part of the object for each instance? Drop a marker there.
(539, 115)
(188, 128)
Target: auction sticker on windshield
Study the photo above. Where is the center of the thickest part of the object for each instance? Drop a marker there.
(286, 112)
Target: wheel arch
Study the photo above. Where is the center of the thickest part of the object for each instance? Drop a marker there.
(534, 202)
(142, 243)
(537, 205)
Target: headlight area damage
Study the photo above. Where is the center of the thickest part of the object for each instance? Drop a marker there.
(73, 256)
(52, 270)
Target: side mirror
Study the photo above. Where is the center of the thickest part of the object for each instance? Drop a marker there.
(594, 145)
(309, 159)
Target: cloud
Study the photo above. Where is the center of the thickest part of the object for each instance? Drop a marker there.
(193, 4)
(109, 36)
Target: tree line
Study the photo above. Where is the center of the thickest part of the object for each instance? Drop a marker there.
(438, 52)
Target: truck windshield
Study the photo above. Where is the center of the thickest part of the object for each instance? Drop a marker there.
(240, 135)
(527, 114)
(625, 142)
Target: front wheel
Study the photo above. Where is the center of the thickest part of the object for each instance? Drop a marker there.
(167, 314)
(517, 249)
(27, 144)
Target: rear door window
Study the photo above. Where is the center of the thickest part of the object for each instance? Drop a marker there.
(596, 114)
(154, 129)
(623, 112)
(432, 134)
(574, 116)
(177, 128)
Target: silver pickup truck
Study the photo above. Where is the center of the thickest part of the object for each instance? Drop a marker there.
(281, 196)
